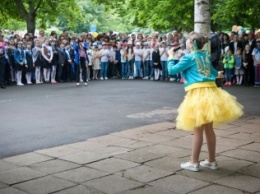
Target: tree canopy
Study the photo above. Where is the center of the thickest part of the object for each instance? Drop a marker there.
(179, 14)
(40, 10)
(124, 16)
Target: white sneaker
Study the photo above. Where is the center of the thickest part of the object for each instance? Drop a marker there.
(211, 165)
(20, 84)
(29, 83)
(151, 79)
(77, 84)
(85, 83)
(106, 78)
(101, 78)
(190, 166)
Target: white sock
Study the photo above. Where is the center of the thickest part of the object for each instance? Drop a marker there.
(53, 73)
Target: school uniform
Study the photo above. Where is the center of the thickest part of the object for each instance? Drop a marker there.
(105, 53)
(47, 55)
(146, 57)
(70, 56)
(37, 60)
(19, 57)
(164, 59)
(10, 70)
(156, 64)
(29, 62)
(3, 63)
(54, 63)
(62, 61)
(138, 62)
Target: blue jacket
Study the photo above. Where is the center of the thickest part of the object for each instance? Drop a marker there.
(76, 52)
(19, 56)
(197, 71)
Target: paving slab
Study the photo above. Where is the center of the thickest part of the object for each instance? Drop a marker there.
(27, 159)
(57, 151)
(227, 126)
(147, 190)
(217, 189)
(111, 151)
(2, 185)
(232, 164)
(4, 166)
(173, 133)
(253, 170)
(233, 142)
(242, 182)
(243, 154)
(80, 175)
(179, 184)
(86, 146)
(144, 173)
(254, 137)
(113, 165)
(253, 147)
(168, 163)
(248, 128)
(112, 184)
(183, 142)
(80, 189)
(44, 185)
(139, 156)
(107, 139)
(153, 138)
(83, 157)
(127, 143)
(18, 175)
(153, 128)
(219, 148)
(53, 166)
(162, 149)
(206, 174)
(225, 133)
(11, 190)
(139, 144)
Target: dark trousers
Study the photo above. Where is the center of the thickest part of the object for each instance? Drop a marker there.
(69, 71)
(219, 67)
(82, 65)
(60, 72)
(3, 64)
(247, 77)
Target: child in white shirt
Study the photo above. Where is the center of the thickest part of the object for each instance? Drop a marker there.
(138, 52)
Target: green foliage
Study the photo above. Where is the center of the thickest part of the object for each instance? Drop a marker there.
(226, 13)
(178, 14)
(43, 11)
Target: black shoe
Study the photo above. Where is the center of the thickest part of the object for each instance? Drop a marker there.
(3, 87)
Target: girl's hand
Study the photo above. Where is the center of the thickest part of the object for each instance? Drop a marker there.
(220, 74)
(171, 51)
(26, 66)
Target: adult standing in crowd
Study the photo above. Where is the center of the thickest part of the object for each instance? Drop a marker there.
(215, 44)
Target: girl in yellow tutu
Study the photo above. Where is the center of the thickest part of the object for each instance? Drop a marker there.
(205, 105)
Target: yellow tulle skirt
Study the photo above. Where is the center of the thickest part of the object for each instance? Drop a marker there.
(206, 105)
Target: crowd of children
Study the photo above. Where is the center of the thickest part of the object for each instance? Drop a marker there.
(80, 58)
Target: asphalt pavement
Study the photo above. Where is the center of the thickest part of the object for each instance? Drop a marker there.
(43, 116)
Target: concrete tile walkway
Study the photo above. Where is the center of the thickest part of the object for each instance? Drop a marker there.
(144, 160)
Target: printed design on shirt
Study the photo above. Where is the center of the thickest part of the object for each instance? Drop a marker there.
(203, 65)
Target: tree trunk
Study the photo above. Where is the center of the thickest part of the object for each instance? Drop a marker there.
(31, 22)
(202, 17)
